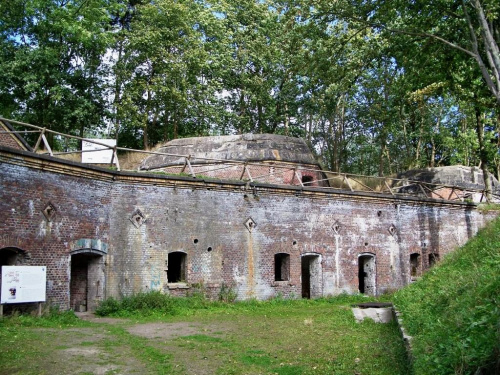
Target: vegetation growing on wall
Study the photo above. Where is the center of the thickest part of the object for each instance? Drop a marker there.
(453, 312)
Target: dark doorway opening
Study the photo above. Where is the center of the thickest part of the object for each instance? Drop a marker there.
(86, 281)
(311, 276)
(176, 271)
(9, 257)
(307, 180)
(281, 267)
(433, 259)
(415, 265)
(366, 274)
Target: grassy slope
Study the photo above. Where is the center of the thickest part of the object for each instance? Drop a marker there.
(453, 312)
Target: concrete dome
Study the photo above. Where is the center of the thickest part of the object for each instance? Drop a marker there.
(246, 147)
(454, 175)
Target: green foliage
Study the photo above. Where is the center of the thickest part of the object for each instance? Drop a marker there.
(141, 302)
(227, 293)
(54, 318)
(489, 207)
(367, 84)
(453, 311)
(153, 303)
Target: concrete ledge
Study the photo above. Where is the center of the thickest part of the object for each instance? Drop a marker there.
(178, 286)
(384, 313)
(378, 312)
(407, 339)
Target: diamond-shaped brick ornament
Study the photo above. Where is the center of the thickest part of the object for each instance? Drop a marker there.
(49, 211)
(250, 224)
(137, 218)
(392, 229)
(336, 227)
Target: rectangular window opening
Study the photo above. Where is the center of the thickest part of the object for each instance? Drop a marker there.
(176, 272)
(281, 267)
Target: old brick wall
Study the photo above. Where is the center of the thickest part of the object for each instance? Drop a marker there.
(209, 226)
(142, 218)
(8, 140)
(81, 207)
(269, 173)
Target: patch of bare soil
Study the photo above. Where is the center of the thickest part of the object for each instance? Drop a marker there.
(189, 355)
(167, 331)
(86, 351)
(96, 350)
(90, 317)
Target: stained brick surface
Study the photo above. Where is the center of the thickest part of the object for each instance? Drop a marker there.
(207, 222)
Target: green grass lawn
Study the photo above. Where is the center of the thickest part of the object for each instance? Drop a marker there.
(275, 337)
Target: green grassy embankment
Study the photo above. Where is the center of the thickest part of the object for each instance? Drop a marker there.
(453, 312)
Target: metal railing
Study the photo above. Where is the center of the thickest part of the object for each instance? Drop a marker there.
(328, 180)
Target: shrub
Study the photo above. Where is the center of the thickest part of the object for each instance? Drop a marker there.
(227, 293)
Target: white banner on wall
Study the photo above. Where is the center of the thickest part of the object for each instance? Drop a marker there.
(23, 284)
(98, 154)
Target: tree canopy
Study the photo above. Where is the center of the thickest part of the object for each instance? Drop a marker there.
(375, 87)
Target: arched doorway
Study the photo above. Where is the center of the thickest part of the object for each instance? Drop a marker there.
(87, 280)
(11, 256)
(311, 276)
(367, 274)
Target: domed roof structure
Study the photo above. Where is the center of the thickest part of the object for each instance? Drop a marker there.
(266, 158)
(454, 175)
(244, 148)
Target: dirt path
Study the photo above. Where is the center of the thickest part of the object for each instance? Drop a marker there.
(120, 346)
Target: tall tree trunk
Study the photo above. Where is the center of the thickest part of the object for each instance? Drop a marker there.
(341, 136)
(309, 130)
(432, 161)
(165, 133)
(176, 123)
(287, 119)
(334, 156)
(260, 117)
(242, 113)
(498, 147)
(383, 147)
(118, 83)
(483, 155)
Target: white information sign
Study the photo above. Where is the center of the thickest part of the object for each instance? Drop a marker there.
(94, 153)
(23, 284)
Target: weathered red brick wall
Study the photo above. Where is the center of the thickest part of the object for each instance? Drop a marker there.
(81, 210)
(8, 140)
(269, 173)
(228, 233)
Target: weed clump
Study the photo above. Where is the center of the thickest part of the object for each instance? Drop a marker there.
(153, 303)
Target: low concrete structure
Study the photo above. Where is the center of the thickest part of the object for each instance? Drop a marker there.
(455, 182)
(378, 312)
(268, 158)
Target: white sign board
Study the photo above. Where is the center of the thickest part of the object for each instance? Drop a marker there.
(23, 284)
(94, 153)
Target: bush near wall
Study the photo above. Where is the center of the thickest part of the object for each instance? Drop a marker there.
(453, 312)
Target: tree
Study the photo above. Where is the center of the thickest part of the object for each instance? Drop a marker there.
(52, 64)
